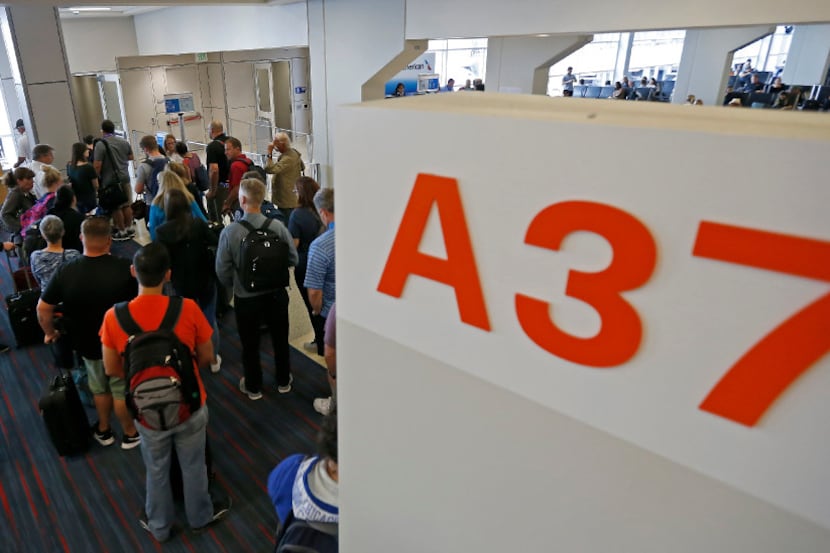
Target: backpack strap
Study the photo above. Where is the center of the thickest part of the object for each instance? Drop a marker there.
(125, 319)
(169, 322)
(247, 225)
(251, 227)
(171, 316)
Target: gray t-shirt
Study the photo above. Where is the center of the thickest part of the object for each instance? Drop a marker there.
(121, 153)
(568, 81)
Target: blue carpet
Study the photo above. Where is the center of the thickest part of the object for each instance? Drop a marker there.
(91, 503)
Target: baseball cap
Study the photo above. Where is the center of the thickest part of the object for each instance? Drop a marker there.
(19, 124)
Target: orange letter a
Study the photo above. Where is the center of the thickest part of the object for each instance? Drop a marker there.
(458, 270)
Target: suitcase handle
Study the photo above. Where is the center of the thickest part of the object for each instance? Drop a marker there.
(11, 272)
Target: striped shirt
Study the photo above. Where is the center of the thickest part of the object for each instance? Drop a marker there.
(320, 271)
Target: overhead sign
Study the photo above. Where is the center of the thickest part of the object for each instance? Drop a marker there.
(424, 64)
(179, 103)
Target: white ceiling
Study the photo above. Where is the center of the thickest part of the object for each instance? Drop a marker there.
(105, 11)
(114, 8)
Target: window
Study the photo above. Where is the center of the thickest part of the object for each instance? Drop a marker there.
(460, 59)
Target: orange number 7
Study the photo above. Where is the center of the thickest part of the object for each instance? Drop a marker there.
(762, 374)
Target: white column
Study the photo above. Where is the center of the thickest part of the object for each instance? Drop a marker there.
(521, 64)
(341, 64)
(704, 64)
(623, 55)
(34, 43)
(809, 56)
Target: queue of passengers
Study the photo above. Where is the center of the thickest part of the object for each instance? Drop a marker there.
(198, 256)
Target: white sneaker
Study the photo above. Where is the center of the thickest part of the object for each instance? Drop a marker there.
(310, 346)
(216, 367)
(322, 405)
(251, 395)
(287, 388)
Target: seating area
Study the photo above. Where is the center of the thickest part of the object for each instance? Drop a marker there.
(805, 97)
(662, 93)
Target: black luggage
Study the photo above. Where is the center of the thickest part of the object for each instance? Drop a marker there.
(176, 472)
(22, 306)
(64, 416)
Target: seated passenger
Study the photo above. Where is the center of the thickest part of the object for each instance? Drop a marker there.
(619, 92)
(46, 261)
(782, 101)
(306, 488)
(777, 86)
(754, 84)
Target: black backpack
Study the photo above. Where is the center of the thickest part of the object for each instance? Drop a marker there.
(258, 168)
(301, 536)
(162, 390)
(263, 259)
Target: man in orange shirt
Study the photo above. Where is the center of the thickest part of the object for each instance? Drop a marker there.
(151, 266)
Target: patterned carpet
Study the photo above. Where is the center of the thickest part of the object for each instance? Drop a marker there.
(91, 503)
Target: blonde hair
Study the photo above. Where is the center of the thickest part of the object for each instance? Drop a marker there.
(253, 189)
(180, 170)
(170, 181)
(51, 177)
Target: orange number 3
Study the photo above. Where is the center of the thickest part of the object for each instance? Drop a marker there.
(634, 258)
(756, 380)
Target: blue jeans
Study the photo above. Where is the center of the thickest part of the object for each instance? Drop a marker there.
(156, 446)
(208, 306)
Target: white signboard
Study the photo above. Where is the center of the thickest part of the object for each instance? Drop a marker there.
(179, 103)
(661, 273)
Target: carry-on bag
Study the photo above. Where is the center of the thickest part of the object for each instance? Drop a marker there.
(22, 306)
(64, 416)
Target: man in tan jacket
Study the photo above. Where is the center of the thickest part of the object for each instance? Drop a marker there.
(286, 171)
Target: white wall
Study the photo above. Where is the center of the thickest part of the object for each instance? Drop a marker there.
(706, 58)
(434, 460)
(520, 65)
(93, 44)
(484, 440)
(809, 55)
(483, 18)
(189, 29)
(353, 39)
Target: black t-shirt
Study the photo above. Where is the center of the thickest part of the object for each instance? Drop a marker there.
(81, 177)
(304, 225)
(88, 287)
(192, 262)
(216, 154)
(72, 227)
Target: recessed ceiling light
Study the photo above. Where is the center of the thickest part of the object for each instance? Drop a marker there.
(543, 35)
(90, 9)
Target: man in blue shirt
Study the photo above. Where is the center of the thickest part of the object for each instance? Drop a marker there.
(568, 82)
(319, 277)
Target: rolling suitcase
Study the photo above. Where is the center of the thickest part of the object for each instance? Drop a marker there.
(64, 416)
(22, 306)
